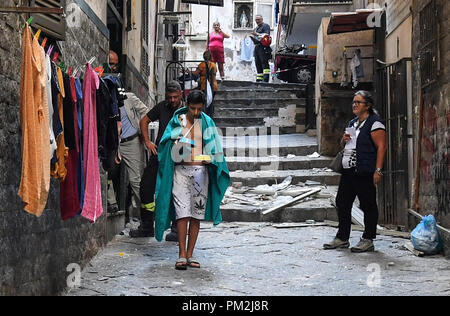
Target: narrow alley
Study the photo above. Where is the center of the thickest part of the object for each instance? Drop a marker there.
(259, 259)
(315, 134)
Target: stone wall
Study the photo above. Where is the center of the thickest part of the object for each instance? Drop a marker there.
(434, 193)
(35, 252)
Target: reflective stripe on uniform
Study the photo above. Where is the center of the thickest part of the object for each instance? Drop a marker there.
(266, 71)
(149, 206)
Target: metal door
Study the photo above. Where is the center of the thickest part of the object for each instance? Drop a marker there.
(392, 103)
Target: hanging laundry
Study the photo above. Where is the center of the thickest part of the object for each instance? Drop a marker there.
(69, 197)
(56, 122)
(35, 180)
(48, 85)
(79, 139)
(103, 99)
(344, 70)
(92, 208)
(247, 48)
(357, 68)
(68, 119)
(59, 170)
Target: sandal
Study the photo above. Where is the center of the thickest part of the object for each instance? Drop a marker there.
(181, 264)
(193, 263)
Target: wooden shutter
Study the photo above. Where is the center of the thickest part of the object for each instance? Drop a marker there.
(53, 25)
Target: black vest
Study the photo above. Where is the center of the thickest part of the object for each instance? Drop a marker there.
(366, 151)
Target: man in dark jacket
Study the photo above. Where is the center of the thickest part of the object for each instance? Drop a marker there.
(162, 112)
(262, 53)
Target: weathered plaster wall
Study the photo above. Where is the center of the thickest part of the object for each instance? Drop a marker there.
(434, 193)
(235, 68)
(35, 252)
(333, 103)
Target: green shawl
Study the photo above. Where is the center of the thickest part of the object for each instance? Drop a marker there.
(219, 178)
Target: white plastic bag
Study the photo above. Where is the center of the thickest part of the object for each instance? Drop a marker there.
(209, 94)
(425, 237)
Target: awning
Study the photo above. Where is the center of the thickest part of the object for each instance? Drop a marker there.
(343, 22)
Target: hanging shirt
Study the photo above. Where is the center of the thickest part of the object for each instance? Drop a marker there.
(79, 119)
(92, 207)
(69, 197)
(247, 48)
(48, 85)
(34, 120)
(59, 170)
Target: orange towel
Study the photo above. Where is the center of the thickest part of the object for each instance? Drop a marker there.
(33, 184)
(45, 126)
(59, 170)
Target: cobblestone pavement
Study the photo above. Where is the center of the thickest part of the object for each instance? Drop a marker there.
(257, 259)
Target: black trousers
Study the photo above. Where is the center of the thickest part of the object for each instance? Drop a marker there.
(147, 190)
(262, 64)
(351, 186)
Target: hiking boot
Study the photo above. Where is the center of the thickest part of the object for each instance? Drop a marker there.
(336, 243)
(364, 245)
(112, 209)
(142, 232)
(172, 236)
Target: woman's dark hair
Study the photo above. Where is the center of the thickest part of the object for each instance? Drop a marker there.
(196, 97)
(207, 55)
(368, 98)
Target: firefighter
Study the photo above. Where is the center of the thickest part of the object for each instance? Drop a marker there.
(263, 52)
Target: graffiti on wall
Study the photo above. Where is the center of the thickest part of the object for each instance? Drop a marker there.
(435, 161)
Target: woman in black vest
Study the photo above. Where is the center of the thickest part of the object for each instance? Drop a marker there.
(365, 149)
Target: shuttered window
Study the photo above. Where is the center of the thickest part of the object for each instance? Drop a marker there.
(145, 69)
(428, 54)
(53, 25)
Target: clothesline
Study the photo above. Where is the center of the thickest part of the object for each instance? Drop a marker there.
(60, 135)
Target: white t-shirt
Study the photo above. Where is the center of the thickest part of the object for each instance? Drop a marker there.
(349, 157)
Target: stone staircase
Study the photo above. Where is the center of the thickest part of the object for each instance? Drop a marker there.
(264, 142)
(260, 106)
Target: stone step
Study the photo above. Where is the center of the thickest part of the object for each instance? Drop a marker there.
(257, 94)
(235, 143)
(254, 178)
(232, 84)
(319, 207)
(260, 103)
(248, 112)
(244, 121)
(298, 213)
(229, 129)
(276, 163)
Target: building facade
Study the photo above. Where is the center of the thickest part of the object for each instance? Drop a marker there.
(40, 253)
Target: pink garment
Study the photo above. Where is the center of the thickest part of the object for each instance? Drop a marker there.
(92, 207)
(216, 40)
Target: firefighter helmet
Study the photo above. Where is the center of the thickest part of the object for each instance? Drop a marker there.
(266, 40)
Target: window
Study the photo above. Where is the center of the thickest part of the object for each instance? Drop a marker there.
(53, 25)
(145, 69)
(266, 10)
(428, 56)
(243, 15)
